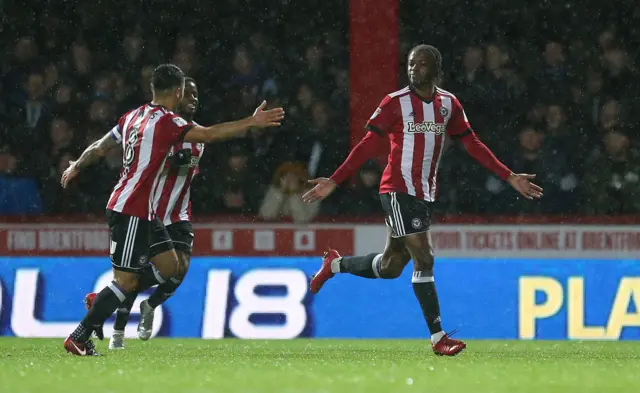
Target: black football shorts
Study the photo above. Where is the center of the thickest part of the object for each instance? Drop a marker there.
(180, 235)
(406, 214)
(131, 239)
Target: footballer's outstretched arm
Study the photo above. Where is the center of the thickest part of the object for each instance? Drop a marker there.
(363, 151)
(260, 118)
(90, 155)
(481, 153)
(96, 150)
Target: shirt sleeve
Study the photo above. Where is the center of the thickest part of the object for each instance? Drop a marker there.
(458, 125)
(172, 128)
(384, 117)
(481, 153)
(116, 133)
(363, 151)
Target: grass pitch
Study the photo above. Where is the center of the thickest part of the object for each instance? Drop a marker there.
(177, 365)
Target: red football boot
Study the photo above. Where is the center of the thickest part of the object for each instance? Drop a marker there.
(80, 348)
(325, 273)
(89, 298)
(448, 346)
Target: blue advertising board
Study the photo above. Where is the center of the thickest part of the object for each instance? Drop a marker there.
(267, 297)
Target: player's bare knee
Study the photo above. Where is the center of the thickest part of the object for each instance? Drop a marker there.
(392, 266)
(423, 261)
(126, 281)
(184, 262)
(167, 263)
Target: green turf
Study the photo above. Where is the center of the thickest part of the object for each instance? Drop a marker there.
(172, 365)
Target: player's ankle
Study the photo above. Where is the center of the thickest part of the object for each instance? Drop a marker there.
(436, 337)
(335, 265)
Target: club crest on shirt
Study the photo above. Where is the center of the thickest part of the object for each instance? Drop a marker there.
(179, 121)
(444, 111)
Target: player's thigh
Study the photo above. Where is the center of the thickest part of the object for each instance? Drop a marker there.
(162, 252)
(129, 245)
(126, 280)
(395, 255)
(420, 248)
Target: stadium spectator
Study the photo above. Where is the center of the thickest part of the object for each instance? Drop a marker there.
(364, 196)
(554, 76)
(237, 189)
(468, 85)
(61, 135)
(319, 146)
(58, 200)
(613, 179)
(8, 161)
(33, 112)
(562, 138)
(284, 196)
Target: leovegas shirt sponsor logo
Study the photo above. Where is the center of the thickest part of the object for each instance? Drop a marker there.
(427, 126)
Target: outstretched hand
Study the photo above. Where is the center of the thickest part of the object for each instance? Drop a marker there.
(522, 183)
(323, 187)
(69, 174)
(268, 118)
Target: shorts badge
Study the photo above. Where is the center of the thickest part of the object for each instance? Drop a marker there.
(416, 223)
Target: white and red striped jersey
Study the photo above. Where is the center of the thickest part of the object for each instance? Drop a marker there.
(147, 135)
(417, 129)
(173, 195)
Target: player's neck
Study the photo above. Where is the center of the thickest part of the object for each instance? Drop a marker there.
(165, 102)
(427, 91)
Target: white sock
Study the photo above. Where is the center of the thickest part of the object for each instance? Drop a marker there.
(436, 337)
(335, 265)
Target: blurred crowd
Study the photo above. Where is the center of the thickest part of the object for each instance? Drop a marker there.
(549, 87)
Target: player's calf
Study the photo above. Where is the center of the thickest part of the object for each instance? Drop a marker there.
(162, 293)
(88, 303)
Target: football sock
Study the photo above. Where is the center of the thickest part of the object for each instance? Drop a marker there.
(436, 337)
(122, 313)
(367, 266)
(164, 291)
(424, 288)
(104, 305)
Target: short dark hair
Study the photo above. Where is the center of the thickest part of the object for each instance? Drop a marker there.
(167, 76)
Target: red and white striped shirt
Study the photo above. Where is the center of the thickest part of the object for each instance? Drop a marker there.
(147, 135)
(173, 197)
(417, 130)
